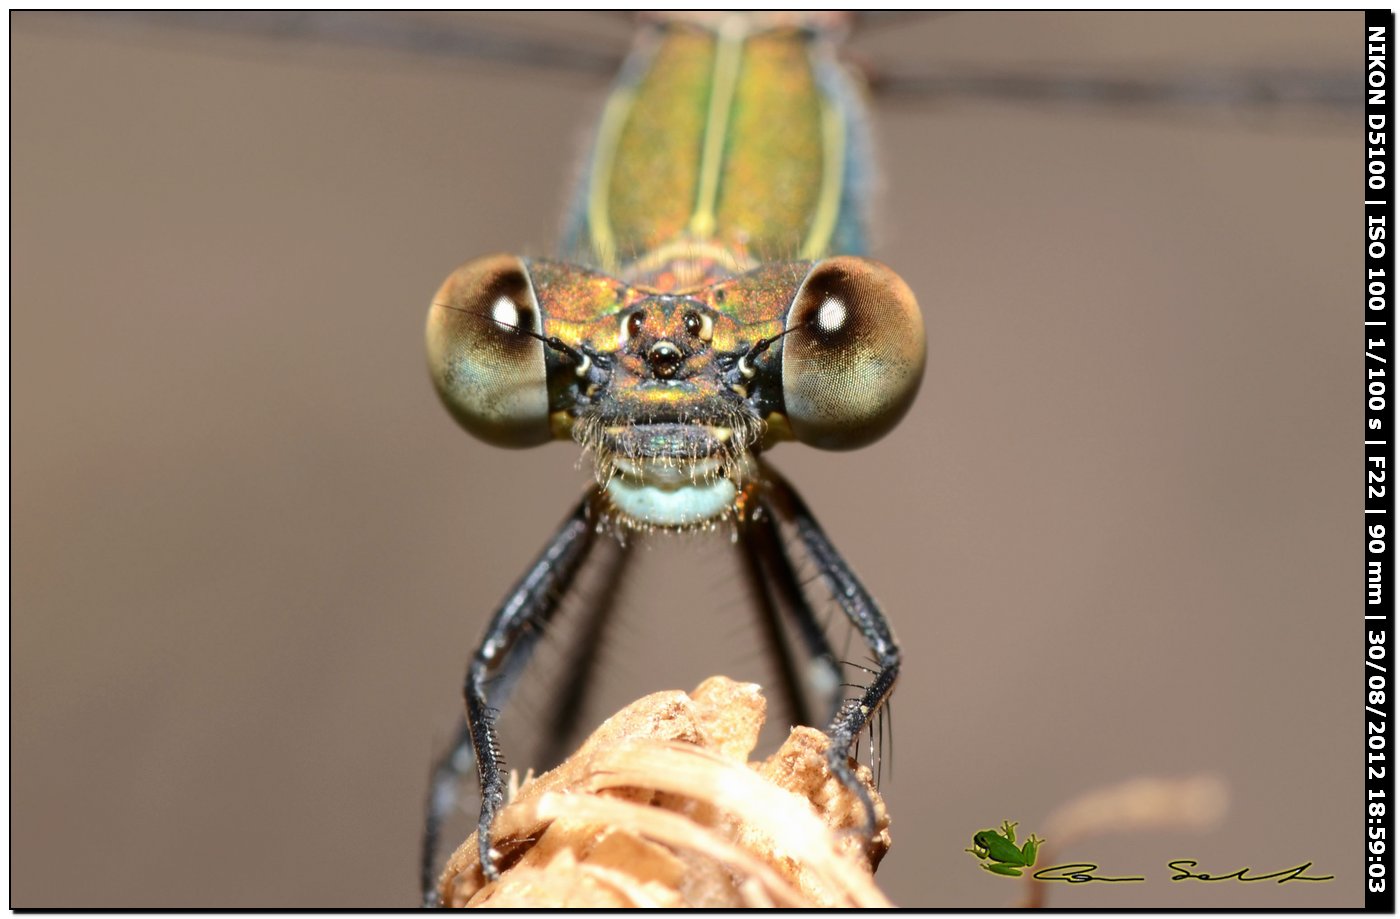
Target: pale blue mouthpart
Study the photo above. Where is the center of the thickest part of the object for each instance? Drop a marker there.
(674, 506)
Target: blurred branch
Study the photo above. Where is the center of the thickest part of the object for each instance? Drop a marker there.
(544, 47)
(1323, 92)
(1139, 805)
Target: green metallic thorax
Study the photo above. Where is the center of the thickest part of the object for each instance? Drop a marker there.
(723, 146)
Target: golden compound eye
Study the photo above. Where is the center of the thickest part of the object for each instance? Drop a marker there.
(854, 355)
(488, 372)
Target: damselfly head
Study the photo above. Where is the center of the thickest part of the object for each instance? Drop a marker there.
(674, 391)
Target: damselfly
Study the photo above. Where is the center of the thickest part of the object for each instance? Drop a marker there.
(713, 305)
(1030, 229)
(710, 306)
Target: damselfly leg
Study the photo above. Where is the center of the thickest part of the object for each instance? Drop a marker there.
(776, 583)
(854, 715)
(517, 627)
(505, 649)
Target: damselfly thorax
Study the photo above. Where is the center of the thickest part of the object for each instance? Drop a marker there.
(712, 303)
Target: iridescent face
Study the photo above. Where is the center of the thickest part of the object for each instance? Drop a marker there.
(674, 392)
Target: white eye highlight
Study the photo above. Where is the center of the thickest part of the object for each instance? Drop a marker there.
(831, 316)
(504, 312)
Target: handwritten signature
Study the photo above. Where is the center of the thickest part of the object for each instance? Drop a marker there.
(1083, 873)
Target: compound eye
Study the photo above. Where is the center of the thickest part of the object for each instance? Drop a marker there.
(854, 355)
(489, 373)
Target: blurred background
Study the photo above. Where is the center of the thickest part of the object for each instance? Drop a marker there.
(1117, 535)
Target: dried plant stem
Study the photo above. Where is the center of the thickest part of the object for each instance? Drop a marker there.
(660, 808)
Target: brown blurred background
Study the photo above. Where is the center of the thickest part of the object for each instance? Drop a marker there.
(1118, 534)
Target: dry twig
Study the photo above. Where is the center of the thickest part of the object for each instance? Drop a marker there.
(660, 808)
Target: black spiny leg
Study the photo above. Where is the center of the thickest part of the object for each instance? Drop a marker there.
(769, 564)
(754, 563)
(864, 614)
(572, 697)
(510, 636)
